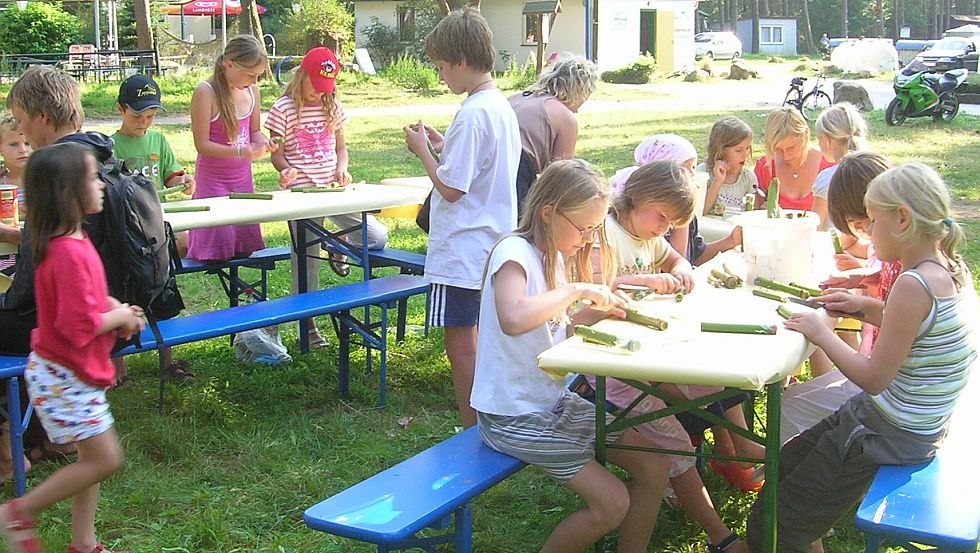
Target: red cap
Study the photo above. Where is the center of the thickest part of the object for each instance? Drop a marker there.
(321, 65)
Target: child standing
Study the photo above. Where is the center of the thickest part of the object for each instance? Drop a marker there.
(474, 200)
(78, 323)
(147, 151)
(840, 129)
(917, 368)
(225, 123)
(310, 120)
(14, 149)
(532, 280)
(729, 179)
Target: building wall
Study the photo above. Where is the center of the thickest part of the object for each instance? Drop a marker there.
(785, 47)
(619, 32)
(197, 25)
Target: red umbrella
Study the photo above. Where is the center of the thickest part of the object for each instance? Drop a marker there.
(207, 7)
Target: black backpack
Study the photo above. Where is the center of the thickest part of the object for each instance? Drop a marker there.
(132, 240)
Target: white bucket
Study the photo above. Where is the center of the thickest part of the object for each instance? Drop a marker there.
(699, 182)
(778, 249)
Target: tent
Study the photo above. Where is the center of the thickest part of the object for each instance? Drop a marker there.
(964, 31)
(206, 7)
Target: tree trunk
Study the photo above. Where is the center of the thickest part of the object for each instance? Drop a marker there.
(754, 6)
(879, 19)
(895, 20)
(843, 24)
(763, 8)
(722, 10)
(931, 17)
(144, 33)
(249, 24)
(807, 31)
(733, 14)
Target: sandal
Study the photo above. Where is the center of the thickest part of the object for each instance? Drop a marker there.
(178, 370)
(338, 264)
(99, 548)
(723, 545)
(739, 478)
(18, 530)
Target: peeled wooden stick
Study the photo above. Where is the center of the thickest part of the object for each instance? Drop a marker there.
(735, 328)
(593, 336)
(787, 288)
(634, 316)
(249, 196)
(185, 208)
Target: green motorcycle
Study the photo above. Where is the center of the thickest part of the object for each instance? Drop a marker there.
(920, 92)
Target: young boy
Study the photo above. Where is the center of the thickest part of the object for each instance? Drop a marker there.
(474, 200)
(147, 151)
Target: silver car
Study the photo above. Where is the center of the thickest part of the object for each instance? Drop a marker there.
(717, 45)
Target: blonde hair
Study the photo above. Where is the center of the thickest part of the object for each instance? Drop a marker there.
(571, 79)
(844, 127)
(920, 190)
(43, 89)
(463, 35)
(7, 122)
(245, 51)
(782, 123)
(294, 91)
(727, 132)
(568, 186)
(664, 183)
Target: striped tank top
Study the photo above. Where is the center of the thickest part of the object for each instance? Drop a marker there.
(921, 397)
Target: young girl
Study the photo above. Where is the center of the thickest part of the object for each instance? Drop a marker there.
(917, 369)
(533, 279)
(77, 324)
(804, 404)
(655, 197)
(729, 179)
(14, 150)
(225, 123)
(310, 120)
(840, 129)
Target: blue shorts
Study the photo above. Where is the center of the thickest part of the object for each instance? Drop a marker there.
(451, 306)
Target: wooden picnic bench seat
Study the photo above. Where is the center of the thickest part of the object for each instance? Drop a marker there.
(264, 260)
(12, 370)
(337, 301)
(391, 507)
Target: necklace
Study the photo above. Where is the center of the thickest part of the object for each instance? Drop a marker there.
(796, 174)
(477, 87)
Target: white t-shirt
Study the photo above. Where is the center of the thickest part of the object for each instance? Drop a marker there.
(507, 380)
(732, 196)
(480, 155)
(634, 256)
(821, 185)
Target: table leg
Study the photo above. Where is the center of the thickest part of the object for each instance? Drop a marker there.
(769, 506)
(302, 267)
(600, 419)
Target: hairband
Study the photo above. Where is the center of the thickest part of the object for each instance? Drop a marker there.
(948, 222)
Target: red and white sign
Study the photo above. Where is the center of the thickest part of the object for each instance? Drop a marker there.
(207, 7)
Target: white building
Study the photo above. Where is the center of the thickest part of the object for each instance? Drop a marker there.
(777, 36)
(620, 29)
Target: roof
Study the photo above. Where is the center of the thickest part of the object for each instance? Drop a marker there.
(542, 6)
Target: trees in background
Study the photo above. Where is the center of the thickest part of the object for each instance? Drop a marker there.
(37, 28)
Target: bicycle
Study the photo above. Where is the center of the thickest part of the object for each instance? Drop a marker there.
(811, 104)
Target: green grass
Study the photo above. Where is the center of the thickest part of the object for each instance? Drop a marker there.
(242, 451)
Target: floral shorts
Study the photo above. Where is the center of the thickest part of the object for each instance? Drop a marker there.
(69, 410)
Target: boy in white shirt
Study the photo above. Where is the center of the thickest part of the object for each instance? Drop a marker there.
(474, 199)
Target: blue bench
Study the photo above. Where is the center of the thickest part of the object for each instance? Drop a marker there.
(337, 301)
(933, 504)
(391, 507)
(234, 285)
(12, 370)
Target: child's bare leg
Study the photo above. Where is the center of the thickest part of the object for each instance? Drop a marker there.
(820, 363)
(98, 457)
(6, 460)
(743, 446)
(816, 547)
(606, 503)
(83, 505)
(648, 476)
(460, 343)
(696, 501)
(181, 238)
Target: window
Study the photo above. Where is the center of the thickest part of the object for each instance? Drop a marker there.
(531, 28)
(771, 34)
(406, 24)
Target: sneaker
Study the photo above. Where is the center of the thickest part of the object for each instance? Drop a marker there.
(18, 530)
(737, 477)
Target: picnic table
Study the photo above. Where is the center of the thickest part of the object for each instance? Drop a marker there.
(682, 354)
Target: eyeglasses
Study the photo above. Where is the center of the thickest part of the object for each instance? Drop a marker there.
(587, 234)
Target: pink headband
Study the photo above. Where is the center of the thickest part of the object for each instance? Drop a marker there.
(660, 147)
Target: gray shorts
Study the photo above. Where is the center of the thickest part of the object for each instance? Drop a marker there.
(827, 469)
(451, 306)
(560, 442)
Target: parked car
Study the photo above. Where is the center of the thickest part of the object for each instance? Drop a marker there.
(951, 53)
(717, 45)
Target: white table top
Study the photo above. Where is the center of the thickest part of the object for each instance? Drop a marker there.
(286, 205)
(414, 182)
(683, 354)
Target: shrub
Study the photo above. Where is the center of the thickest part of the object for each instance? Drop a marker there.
(319, 22)
(519, 77)
(407, 71)
(383, 41)
(38, 28)
(637, 72)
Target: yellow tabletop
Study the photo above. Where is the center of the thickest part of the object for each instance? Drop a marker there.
(683, 354)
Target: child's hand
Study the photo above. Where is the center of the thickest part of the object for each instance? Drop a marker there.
(254, 151)
(415, 136)
(846, 261)
(720, 171)
(808, 324)
(684, 278)
(839, 303)
(344, 178)
(662, 283)
(601, 297)
(287, 177)
(734, 239)
(435, 138)
(190, 185)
